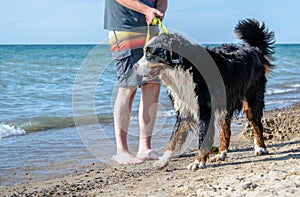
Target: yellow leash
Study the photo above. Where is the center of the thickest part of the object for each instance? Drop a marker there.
(163, 29)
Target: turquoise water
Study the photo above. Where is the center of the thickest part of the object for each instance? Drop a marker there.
(37, 82)
(38, 90)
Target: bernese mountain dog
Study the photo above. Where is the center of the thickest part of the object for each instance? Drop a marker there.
(196, 92)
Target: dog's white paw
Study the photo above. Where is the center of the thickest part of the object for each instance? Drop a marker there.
(164, 160)
(161, 163)
(261, 151)
(219, 157)
(196, 165)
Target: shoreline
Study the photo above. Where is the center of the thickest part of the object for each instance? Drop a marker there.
(241, 174)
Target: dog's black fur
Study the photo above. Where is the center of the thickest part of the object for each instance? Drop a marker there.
(242, 67)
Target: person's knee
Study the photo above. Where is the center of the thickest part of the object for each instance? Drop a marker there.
(152, 88)
(127, 91)
(125, 95)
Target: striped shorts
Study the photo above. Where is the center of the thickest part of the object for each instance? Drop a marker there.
(127, 49)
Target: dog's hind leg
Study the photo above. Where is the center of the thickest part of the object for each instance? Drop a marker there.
(178, 138)
(254, 114)
(225, 134)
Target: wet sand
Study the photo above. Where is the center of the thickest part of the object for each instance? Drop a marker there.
(241, 174)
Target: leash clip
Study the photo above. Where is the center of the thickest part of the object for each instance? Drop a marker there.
(156, 21)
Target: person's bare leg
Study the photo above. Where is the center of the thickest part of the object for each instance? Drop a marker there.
(147, 116)
(122, 111)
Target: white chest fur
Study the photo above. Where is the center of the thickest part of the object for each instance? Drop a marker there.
(180, 86)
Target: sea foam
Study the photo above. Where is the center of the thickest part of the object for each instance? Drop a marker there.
(7, 130)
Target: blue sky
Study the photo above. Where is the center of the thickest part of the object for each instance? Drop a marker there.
(81, 21)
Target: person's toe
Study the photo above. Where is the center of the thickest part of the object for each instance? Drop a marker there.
(126, 159)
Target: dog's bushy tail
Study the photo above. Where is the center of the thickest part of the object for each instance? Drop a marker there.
(256, 35)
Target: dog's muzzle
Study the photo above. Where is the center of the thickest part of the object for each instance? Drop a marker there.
(155, 71)
(147, 70)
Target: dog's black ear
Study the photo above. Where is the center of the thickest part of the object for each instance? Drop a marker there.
(172, 57)
(175, 58)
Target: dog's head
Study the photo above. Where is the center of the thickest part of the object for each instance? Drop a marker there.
(158, 55)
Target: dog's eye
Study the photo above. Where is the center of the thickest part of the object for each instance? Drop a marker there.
(152, 59)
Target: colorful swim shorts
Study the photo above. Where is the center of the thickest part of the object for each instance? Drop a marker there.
(127, 49)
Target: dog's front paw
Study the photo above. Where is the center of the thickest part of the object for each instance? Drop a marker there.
(196, 165)
(161, 163)
(163, 160)
(219, 157)
(193, 166)
(261, 151)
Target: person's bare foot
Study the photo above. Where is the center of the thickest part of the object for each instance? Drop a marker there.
(148, 155)
(125, 158)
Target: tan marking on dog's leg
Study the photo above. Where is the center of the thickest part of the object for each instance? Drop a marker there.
(175, 144)
(259, 145)
(179, 136)
(247, 111)
(225, 135)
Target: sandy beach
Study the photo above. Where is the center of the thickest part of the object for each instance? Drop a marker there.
(241, 174)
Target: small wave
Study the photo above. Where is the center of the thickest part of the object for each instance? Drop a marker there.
(296, 85)
(160, 114)
(26, 126)
(46, 123)
(166, 113)
(280, 91)
(293, 101)
(23, 126)
(8, 130)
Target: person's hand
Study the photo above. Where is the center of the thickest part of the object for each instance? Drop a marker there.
(151, 13)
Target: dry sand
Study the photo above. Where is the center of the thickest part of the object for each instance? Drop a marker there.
(241, 174)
